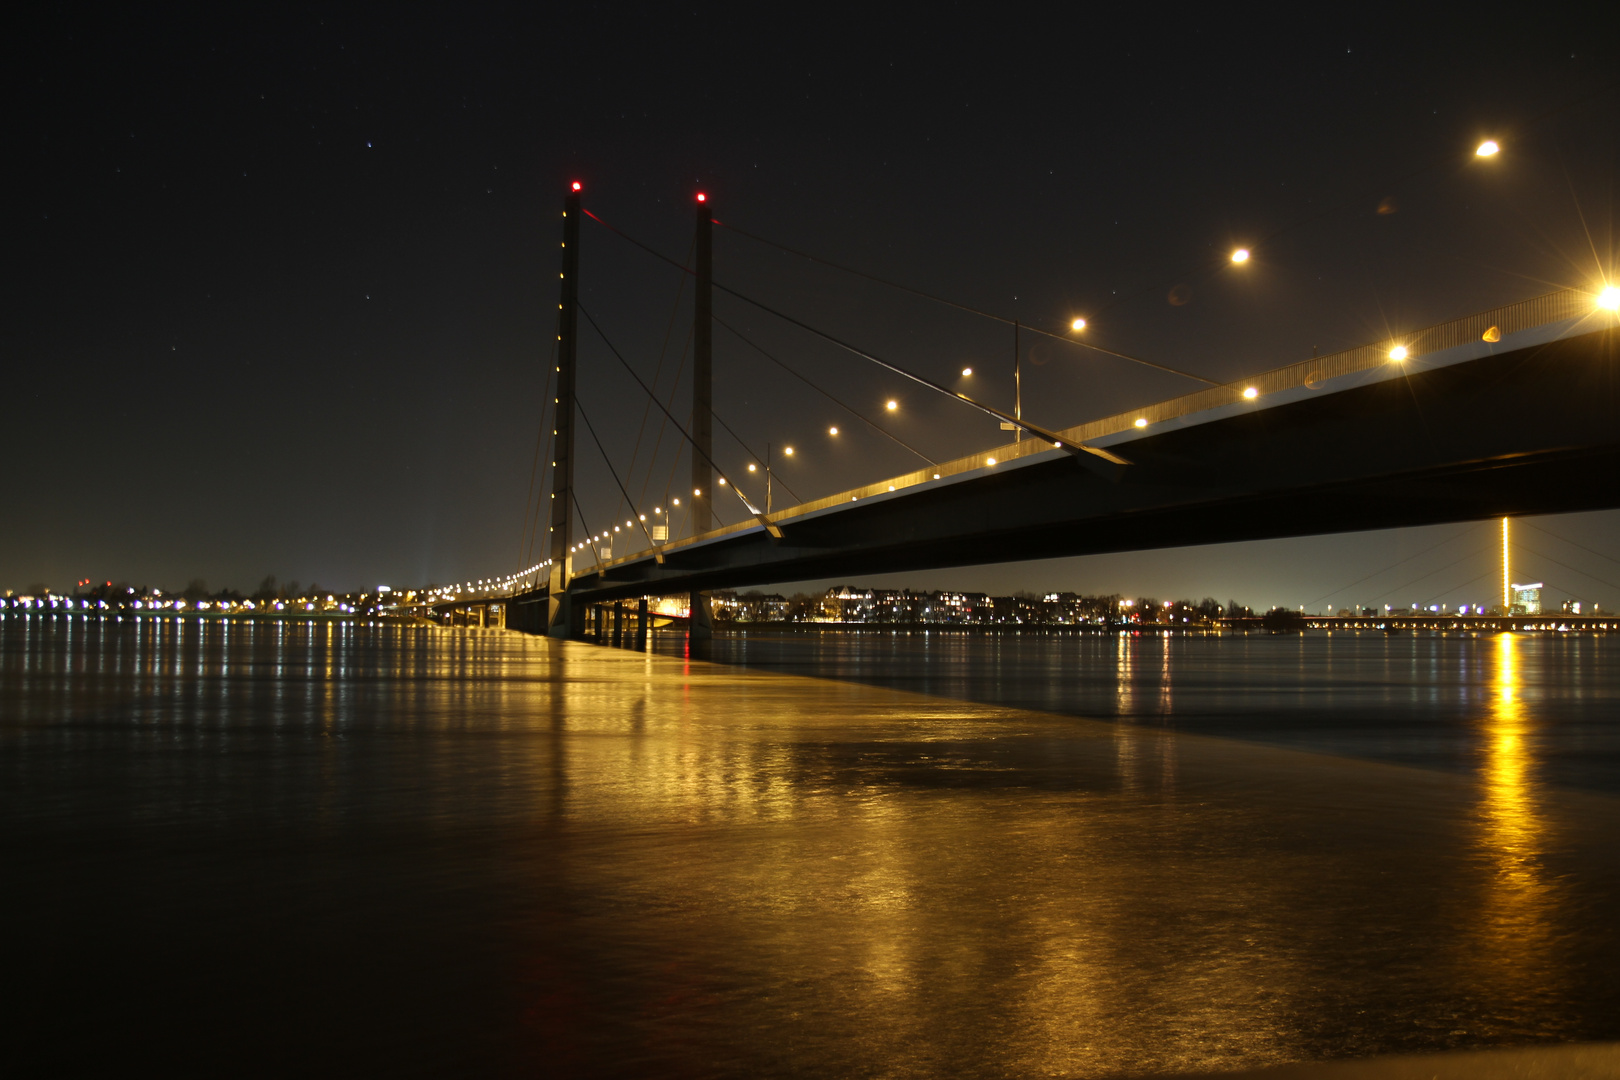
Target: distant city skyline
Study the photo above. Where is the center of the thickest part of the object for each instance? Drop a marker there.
(1447, 564)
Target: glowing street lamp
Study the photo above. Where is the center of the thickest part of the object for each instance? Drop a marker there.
(1609, 298)
(1240, 256)
(966, 372)
(891, 405)
(1078, 324)
(1398, 353)
(1488, 148)
(832, 431)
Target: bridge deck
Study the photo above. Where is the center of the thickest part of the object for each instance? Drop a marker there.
(1464, 428)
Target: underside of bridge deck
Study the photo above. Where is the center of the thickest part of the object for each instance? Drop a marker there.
(1532, 431)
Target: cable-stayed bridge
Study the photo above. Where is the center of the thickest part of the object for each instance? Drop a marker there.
(1510, 411)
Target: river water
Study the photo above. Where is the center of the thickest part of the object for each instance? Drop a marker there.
(341, 849)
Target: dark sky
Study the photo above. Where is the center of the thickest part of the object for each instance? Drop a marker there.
(283, 282)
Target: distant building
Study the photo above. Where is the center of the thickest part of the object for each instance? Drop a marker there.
(762, 607)
(850, 604)
(1527, 599)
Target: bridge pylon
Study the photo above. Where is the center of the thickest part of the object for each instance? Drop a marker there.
(700, 628)
(560, 621)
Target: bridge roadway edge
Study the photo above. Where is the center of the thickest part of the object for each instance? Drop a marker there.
(1530, 431)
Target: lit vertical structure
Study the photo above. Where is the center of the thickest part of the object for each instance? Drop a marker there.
(1507, 590)
(703, 373)
(698, 624)
(559, 606)
(1018, 384)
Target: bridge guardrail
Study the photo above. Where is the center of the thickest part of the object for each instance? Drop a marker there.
(1565, 305)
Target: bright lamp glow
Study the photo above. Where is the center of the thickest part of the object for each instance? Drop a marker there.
(1398, 353)
(702, 197)
(788, 450)
(1241, 255)
(1078, 324)
(1141, 421)
(752, 469)
(891, 405)
(967, 371)
(1609, 299)
(1251, 393)
(1487, 148)
(576, 185)
(832, 431)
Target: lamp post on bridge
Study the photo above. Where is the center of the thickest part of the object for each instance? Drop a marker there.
(1018, 389)
(1018, 385)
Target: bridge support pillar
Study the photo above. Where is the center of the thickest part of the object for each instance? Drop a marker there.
(561, 618)
(618, 626)
(641, 624)
(700, 627)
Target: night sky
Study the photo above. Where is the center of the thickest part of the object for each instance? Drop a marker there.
(283, 283)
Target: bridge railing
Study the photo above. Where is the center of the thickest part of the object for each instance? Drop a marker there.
(1566, 305)
(1562, 306)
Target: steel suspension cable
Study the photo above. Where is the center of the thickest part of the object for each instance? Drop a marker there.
(540, 439)
(664, 423)
(663, 353)
(988, 410)
(1077, 342)
(1565, 565)
(580, 510)
(1566, 540)
(615, 474)
(724, 480)
(534, 522)
(827, 394)
(1463, 585)
(1471, 555)
(1386, 570)
(749, 450)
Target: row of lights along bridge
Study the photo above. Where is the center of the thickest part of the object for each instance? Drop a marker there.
(1607, 298)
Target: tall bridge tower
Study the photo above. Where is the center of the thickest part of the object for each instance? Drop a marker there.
(559, 606)
(702, 400)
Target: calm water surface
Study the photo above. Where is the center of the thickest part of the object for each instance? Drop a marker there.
(331, 849)
(1415, 699)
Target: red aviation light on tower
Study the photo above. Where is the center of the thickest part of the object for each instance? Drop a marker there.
(574, 186)
(702, 197)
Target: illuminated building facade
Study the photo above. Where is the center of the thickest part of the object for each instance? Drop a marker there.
(1527, 599)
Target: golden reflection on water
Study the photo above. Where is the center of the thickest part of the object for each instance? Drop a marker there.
(677, 862)
(1515, 914)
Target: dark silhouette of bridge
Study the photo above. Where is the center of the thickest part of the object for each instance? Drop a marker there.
(1510, 411)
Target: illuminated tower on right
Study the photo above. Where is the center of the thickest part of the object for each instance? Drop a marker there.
(1507, 591)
